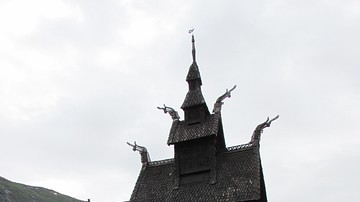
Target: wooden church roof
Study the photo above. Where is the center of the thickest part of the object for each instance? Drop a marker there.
(239, 178)
(222, 173)
(181, 131)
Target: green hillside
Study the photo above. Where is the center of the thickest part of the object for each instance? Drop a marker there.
(15, 192)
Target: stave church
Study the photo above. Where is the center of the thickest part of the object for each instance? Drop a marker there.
(203, 167)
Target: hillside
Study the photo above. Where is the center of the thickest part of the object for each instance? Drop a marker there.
(15, 192)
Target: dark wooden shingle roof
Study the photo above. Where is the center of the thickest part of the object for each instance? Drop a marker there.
(239, 178)
(180, 131)
(193, 98)
(193, 73)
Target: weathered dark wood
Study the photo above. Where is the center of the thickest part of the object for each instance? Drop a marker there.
(203, 169)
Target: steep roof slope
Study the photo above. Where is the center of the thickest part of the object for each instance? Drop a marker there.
(239, 178)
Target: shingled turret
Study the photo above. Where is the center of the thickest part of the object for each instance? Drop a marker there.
(194, 105)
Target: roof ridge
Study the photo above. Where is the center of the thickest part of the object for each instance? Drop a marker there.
(241, 147)
(161, 162)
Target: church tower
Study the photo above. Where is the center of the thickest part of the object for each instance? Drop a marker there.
(195, 142)
(203, 168)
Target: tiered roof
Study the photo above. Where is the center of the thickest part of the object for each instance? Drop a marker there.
(237, 170)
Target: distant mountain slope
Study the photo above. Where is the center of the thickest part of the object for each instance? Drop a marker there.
(15, 192)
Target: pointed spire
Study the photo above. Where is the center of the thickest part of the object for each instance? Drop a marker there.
(194, 96)
(193, 73)
(193, 48)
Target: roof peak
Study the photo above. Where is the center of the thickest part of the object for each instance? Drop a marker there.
(193, 48)
(193, 73)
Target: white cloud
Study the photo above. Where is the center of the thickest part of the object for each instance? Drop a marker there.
(19, 18)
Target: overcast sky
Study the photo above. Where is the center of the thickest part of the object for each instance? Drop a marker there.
(80, 78)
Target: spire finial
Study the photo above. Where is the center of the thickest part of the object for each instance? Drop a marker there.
(193, 44)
